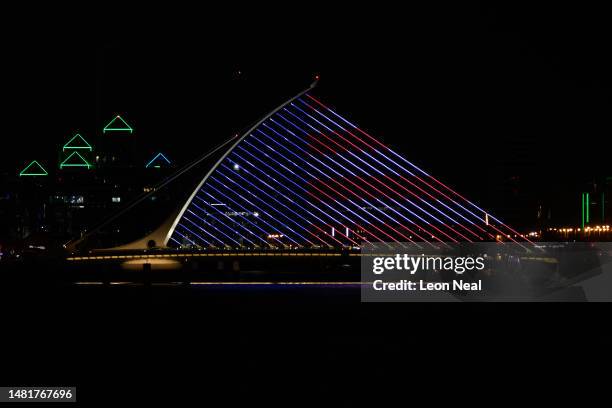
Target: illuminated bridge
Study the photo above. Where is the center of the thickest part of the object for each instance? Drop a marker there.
(307, 180)
(306, 177)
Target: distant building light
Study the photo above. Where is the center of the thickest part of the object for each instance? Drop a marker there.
(236, 166)
(77, 142)
(159, 158)
(256, 214)
(116, 199)
(117, 124)
(33, 169)
(75, 160)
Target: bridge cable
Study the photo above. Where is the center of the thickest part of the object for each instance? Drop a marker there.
(146, 195)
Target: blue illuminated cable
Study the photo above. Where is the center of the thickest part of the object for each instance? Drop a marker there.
(327, 176)
(387, 196)
(289, 199)
(395, 173)
(258, 208)
(378, 171)
(202, 229)
(333, 170)
(358, 168)
(263, 211)
(428, 185)
(392, 209)
(269, 205)
(229, 218)
(227, 226)
(266, 233)
(187, 238)
(280, 203)
(292, 202)
(212, 226)
(300, 187)
(179, 243)
(303, 189)
(286, 178)
(349, 200)
(422, 172)
(195, 234)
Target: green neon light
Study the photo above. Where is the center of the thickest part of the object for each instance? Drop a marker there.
(158, 156)
(38, 171)
(588, 204)
(124, 127)
(82, 143)
(582, 206)
(83, 162)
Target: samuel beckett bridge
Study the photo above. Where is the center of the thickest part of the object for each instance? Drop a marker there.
(306, 181)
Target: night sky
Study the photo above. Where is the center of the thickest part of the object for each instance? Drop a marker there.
(510, 106)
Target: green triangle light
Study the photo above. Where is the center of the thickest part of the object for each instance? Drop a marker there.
(118, 124)
(75, 160)
(77, 142)
(34, 169)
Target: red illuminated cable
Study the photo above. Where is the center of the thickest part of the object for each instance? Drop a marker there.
(332, 237)
(361, 198)
(343, 147)
(341, 185)
(405, 189)
(371, 195)
(341, 195)
(433, 178)
(354, 165)
(417, 177)
(357, 225)
(384, 194)
(374, 197)
(433, 226)
(255, 167)
(334, 200)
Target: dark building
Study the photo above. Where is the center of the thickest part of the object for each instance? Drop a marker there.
(595, 202)
(86, 180)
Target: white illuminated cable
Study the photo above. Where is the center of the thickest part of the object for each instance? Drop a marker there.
(395, 173)
(275, 199)
(378, 171)
(424, 173)
(335, 200)
(270, 206)
(208, 214)
(324, 174)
